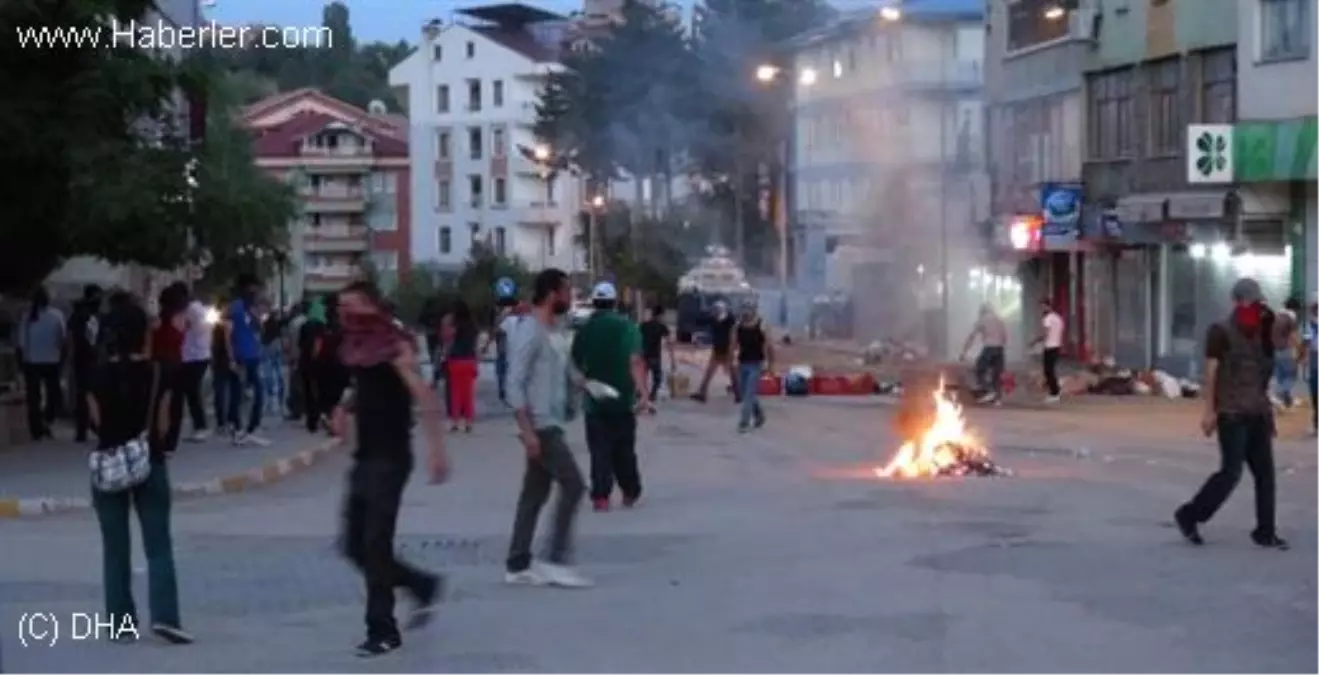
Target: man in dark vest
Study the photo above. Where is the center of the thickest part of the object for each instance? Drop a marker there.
(1238, 363)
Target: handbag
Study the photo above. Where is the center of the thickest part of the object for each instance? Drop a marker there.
(129, 465)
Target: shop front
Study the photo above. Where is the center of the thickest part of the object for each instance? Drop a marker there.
(1275, 162)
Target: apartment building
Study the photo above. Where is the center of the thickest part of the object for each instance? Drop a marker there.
(351, 170)
(471, 89)
(1177, 244)
(886, 165)
(1035, 52)
(1275, 134)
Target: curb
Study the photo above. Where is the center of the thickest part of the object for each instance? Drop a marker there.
(266, 474)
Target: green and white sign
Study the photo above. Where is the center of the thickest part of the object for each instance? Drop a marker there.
(1209, 154)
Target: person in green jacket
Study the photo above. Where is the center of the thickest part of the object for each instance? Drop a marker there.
(607, 348)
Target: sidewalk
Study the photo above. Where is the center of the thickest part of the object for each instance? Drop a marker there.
(52, 476)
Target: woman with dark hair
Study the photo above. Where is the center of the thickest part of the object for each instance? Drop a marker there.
(126, 402)
(463, 366)
(41, 351)
(167, 338)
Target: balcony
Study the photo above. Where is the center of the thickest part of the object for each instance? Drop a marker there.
(330, 277)
(312, 150)
(330, 200)
(329, 239)
(945, 75)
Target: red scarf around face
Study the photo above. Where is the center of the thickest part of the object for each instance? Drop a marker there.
(1249, 318)
(372, 339)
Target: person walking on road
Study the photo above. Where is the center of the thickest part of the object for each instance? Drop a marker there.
(244, 342)
(509, 315)
(311, 334)
(167, 338)
(1238, 360)
(273, 355)
(540, 392)
(993, 334)
(223, 377)
(607, 349)
(463, 368)
(84, 325)
(41, 344)
(127, 401)
(655, 341)
(386, 385)
(755, 355)
(1287, 346)
(199, 328)
(1311, 351)
(721, 347)
(1052, 329)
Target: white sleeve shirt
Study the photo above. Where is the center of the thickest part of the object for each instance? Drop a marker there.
(1053, 330)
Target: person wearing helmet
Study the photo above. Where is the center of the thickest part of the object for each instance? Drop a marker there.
(755, 355)
(721, 349)
(607, 348)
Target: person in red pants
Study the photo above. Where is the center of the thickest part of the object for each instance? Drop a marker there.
(462, 367)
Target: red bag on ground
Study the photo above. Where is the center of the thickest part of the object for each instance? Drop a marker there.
(770, 385)
(828, 385)
(861, 385)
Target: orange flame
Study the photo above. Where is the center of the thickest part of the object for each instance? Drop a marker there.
(943, 445)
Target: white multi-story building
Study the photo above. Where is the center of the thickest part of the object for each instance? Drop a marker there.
(471, 90)
(886, 164)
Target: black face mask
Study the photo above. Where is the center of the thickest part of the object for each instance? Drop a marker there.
(560, 308)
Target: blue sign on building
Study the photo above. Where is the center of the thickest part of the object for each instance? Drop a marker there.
(1060, 204)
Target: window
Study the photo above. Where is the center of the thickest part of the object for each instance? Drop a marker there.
(501, 191)
(1112, 118)
(444, 194)
(1165, 112)
(501, 241)
(442, 98)
(446, 240)
(471, 49)
(497, 142)
(474, 95)
(1218, 99)
(443, 144)
(474, 190)
(474, 142)
(384, 182)
(1284, 29)
(1034, 22)
(497, 93)
(436, 52)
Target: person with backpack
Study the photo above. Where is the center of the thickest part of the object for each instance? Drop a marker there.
(84, 325)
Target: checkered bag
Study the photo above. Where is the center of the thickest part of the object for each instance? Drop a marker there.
(122, 468)
(129, 465)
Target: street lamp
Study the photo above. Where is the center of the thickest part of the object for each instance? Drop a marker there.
(1055, 13)
(595, 204)
(890, 14)
(766, 72)
(808, 76)
(542, 152)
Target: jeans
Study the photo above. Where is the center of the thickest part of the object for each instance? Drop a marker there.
(1284, 375)
(81, 383)
(370, 516)
(272, 378)
(249, 375)
(1051, 355)
(655, 366)
(194, 372)
(989, 370)
(501, 371)
(1242, 440)
(151, 500)
(554, 465)
(717, 361)
(221, 381)
(748, 382)
(39, 378)
(313, 407)
(611, 439)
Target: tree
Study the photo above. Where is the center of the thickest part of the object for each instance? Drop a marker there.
(103, 161)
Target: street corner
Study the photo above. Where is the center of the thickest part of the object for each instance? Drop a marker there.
(266, 474)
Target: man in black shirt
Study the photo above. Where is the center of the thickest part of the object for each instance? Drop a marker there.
(84, 326)
(721, 350)
(654, 339)
(755, 355)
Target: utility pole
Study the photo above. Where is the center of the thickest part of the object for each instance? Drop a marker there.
(944, 273)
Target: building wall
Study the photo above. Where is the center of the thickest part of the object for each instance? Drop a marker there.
(1274, 87)
(520, 218)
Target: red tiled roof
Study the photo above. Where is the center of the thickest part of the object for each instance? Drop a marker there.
(388, 124)
(284, 140)
(520, 42)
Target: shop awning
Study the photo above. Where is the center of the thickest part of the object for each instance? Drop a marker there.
(1143, 208)
(1199, 205)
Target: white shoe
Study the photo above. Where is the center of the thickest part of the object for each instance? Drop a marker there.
(527, 577)
(987, 398)
(258, 441)
(1050, 400)
(199, 436)
(561, 576)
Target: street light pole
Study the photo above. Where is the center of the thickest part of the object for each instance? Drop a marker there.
(944, 273)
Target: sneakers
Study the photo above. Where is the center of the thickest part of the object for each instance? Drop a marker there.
(171, 634)
(426, 601)
(243, 438)
(547, 574)
(372, 648)
(629, 502)
(698, 397)
(987, 399)
(760, 421)
(1269, 541)
(1187, 526)
(199, 436)
(600, 505)
(1050, 400)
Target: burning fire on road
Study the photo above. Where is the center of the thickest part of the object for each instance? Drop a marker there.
(943, 448)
